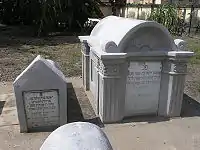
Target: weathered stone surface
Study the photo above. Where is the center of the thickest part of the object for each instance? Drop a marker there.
(143, 84)
(157, 80)
(77, 136)
(41, 96)
(181, 44)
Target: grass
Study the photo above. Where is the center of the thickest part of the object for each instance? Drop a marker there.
(18, 49)
(68, 56)
(17, 55)
(194, 45)
(192, 86)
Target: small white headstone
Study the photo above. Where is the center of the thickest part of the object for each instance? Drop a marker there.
(41, 96)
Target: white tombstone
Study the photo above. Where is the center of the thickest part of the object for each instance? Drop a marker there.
(41, 96)
(134, 68)
(77, 136)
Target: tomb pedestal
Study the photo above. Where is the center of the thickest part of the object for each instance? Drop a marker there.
(112, 85)
(135, 68)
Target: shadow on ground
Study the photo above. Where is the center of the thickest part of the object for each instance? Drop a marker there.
(146, 118)
(17, 42)
(2, 103)
(79, 108)
(190, 107)
(16, 36)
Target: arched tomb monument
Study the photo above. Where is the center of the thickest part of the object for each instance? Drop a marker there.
(133, 67)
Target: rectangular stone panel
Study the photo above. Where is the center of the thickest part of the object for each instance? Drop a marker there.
(41, 108)
(142, 88)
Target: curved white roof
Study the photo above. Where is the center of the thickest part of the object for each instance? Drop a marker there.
(120, 30)
(114, 28)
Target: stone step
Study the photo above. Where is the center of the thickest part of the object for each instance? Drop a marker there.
(8, 111)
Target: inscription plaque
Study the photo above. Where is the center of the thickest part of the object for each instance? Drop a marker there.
(143, 87)
(41, 108)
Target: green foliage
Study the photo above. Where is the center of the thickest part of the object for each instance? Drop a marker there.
(193, 45)
(49, 15)
(166, 15)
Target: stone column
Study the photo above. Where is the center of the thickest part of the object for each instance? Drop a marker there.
(94, 81)
(85, 64)
(112, 87)
(172, 86)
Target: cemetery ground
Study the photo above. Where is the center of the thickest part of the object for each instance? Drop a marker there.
(139, 133)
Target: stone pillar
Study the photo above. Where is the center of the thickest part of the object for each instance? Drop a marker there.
(94, 81)
(85, 64)
(112, 87)
(172, 86)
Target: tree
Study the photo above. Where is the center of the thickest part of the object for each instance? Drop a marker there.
(49, 15)
(116, 4)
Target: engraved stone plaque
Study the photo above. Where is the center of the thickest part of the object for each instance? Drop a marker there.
(41, 108)
(143, 87)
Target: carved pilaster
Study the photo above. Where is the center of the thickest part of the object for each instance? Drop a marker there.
(109, 69)
(172, 87)
(112, 85)
(85, 64)
(175, 67)
(179, 67)
(85, 47)
(166, 66)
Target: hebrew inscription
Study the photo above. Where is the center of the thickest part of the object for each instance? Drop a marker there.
(41, 108)
(143, 87)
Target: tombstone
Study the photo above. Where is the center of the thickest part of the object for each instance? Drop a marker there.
(134, 68)
(77, 136)
(41, 96)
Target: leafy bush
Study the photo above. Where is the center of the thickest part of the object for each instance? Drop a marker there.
(167, 15)
(49, 15)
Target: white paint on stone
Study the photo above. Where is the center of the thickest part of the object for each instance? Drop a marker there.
(120, 30)
(181, 44)
(41, 108)
(118, 46)
(109, 46)
(142, 88)
(41, 96)
(77, 136)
